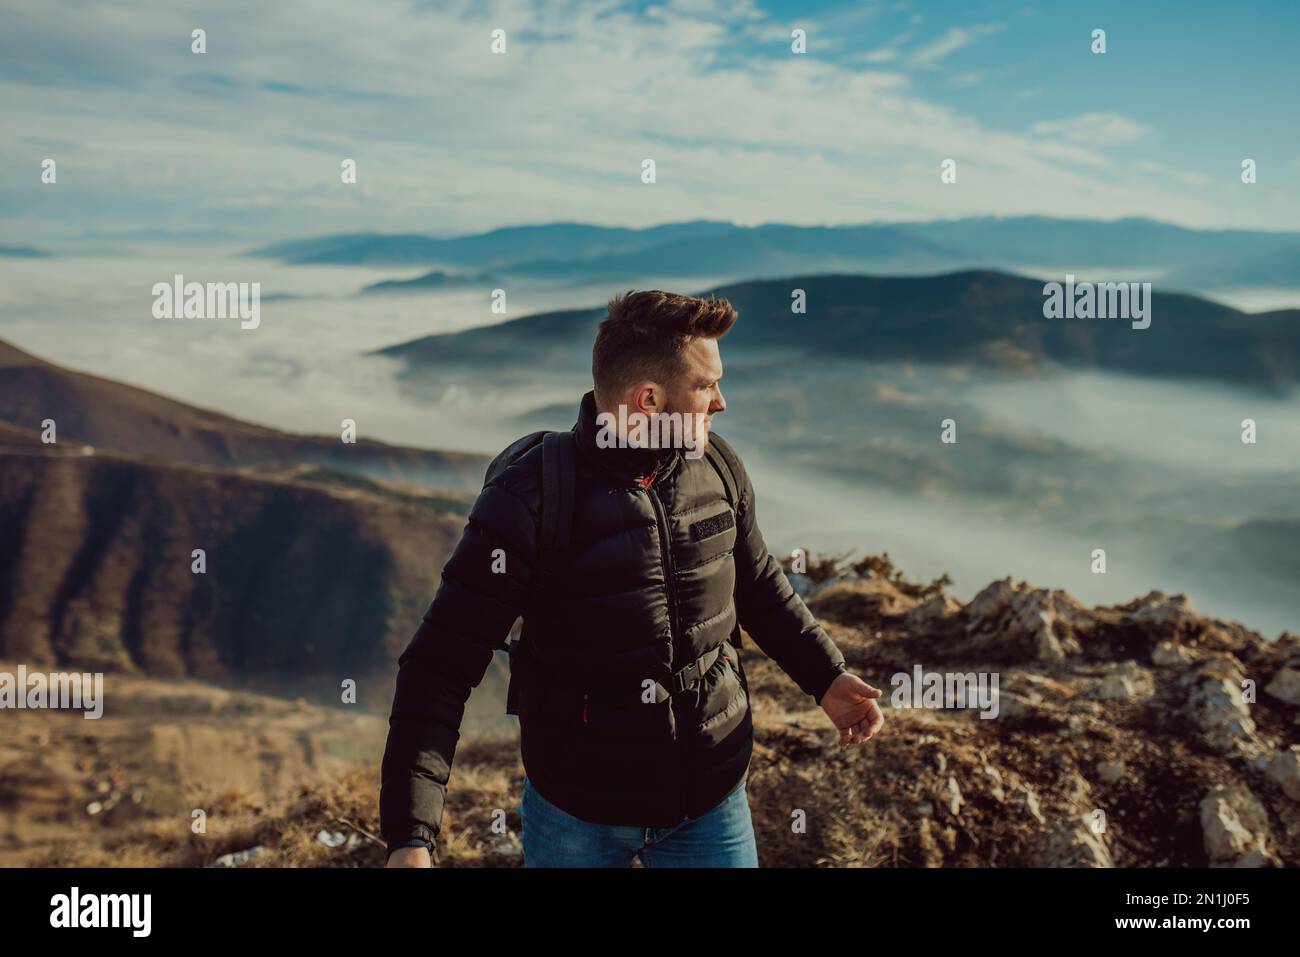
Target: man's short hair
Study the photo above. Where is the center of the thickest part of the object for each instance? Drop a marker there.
(644, 335)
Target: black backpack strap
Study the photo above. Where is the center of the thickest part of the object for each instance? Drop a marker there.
(507, 455)
(723, 459)
(559, 454)
(558, 466)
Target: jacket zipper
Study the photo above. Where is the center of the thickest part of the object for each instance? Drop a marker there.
(665, 545)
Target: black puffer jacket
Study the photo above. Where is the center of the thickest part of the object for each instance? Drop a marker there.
(646, 587)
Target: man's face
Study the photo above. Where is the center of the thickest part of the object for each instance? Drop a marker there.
(697, 390)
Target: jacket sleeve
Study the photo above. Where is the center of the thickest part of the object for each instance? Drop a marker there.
(769, 609)
(484, 588)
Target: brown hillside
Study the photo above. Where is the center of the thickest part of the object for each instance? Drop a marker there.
(305, 575)
(111, 415)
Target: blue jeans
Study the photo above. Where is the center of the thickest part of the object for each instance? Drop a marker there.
(721, 837)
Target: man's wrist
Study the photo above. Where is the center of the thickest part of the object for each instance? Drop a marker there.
(839, 669)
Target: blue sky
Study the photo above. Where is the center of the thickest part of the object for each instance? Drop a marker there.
(246, 140)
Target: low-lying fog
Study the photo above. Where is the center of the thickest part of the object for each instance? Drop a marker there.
(1045, 469)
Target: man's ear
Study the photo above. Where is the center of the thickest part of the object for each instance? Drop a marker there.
(648, 398)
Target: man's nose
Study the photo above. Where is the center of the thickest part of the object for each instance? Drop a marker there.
(719, 404)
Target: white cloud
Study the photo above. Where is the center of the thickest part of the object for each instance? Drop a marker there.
(882, 55)
(1093, 129)
(450, 138)
(955, 39)
(1170, 172)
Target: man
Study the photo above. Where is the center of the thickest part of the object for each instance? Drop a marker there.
(635, 727)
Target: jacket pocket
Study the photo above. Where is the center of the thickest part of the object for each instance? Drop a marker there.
(725, 700)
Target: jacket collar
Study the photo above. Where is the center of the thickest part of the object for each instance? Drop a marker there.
(626, 463)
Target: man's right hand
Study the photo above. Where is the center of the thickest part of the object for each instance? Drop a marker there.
(410, 857)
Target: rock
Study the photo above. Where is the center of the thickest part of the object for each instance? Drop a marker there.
(1234, 826)
(332, 838)
(1111, 771)
(996, 776)
(1031, 802)
(1071, 845)
(954, 797)
(1284, 770)
(1170, 654)
(925, 809)
(1285, 686)
(1116, 688)
(1256, 859)
(1164, 613)
(505, 847)
(1219, 708)
(1016, 705)
(1127, 681)
(240, 858)
(1017, 622)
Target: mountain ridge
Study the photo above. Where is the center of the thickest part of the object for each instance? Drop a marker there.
(981, 316)
(105, 413)
(708, 248)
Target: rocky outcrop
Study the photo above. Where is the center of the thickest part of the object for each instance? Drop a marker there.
(1217, 703)
(1236, 829)
(1283, 769)
(1122, 736)
(1285, 685)
(1071, 844)
(1139, 734)
(1011, 621)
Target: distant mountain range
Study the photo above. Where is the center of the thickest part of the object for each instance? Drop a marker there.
(22, 252)
(981, 318)
(437, 279)
(1132, 249)
(498, 247)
